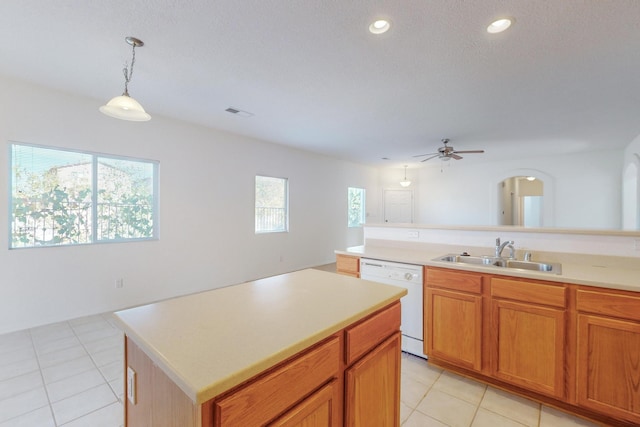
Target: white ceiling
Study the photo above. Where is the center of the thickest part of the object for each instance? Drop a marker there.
(564, 78)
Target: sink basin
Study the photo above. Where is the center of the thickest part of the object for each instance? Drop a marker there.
(545, 267)
(465, 259)
(530, 265)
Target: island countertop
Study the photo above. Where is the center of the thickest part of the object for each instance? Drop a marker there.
(212, 341)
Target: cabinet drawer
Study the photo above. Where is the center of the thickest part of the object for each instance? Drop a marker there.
(449, 279)
(530, 292)
(609, 304)
(372, 331)
(270, 395)
(348, 264)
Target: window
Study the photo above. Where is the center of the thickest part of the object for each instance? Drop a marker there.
(63, 197)
(356, 207)
(272, 204)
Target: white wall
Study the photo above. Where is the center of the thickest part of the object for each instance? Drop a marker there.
(206, 211)
(581, 190)
(631, 186)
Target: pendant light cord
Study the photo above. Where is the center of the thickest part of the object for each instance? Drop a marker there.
(128, 72)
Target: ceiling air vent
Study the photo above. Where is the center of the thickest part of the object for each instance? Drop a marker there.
(239, 113)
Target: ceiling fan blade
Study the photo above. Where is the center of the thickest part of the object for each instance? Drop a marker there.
(429, 158)
(469, 152)
(455, 156)
(429, 154)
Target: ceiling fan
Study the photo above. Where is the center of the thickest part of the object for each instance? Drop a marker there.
(447, 153)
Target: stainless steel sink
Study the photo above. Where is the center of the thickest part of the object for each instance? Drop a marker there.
(545, 267)
(465, 259)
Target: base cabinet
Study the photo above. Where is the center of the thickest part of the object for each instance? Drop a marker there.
(269, 397)
(453, 321)
(372, 387)
(348, 265)
(570, 346)
(528, 328)
(608, 370)
(317, 410)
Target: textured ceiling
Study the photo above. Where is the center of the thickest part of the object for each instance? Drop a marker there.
(564, 78)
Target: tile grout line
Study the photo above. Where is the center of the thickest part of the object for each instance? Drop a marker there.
(94, 362)
(99, 371)
(44, 384)
(475, 413)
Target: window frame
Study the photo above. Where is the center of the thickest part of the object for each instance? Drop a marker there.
(285, 228)
(94, 161)
(363, 207)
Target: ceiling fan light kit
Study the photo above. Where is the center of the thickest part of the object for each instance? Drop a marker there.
(124, 107)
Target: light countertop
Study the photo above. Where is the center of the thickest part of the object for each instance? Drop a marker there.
(606, 272)
(212, 341)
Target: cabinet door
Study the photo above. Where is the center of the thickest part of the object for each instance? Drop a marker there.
(317, 410)
(373, 387)
(528, 346)
(454, 327)
(608, 371)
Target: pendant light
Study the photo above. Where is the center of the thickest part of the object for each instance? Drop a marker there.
(405, 182)
(124, 107)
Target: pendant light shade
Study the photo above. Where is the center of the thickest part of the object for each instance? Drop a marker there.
(405, 182)
(124, 107)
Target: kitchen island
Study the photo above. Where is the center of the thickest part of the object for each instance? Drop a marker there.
(300, 346)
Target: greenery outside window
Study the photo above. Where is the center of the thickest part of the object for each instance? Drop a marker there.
(272, 205)
(356, 207)
(63, 197)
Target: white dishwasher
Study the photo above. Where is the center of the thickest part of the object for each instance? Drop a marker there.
(408, 276)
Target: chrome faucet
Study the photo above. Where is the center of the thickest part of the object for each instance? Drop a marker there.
(507, 244)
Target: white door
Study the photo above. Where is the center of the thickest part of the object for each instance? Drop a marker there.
(398, 206)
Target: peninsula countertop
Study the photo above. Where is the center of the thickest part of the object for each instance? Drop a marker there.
(620, 273)
(212, 341)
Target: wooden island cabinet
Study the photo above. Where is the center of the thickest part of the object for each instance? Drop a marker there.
(349, 375)
(569, 346)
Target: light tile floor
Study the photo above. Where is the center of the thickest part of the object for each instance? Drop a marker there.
(71, 374)
(431, 397)
(64, 374)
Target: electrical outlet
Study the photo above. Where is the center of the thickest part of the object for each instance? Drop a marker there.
(119, 283)
(131, 385)
(414, 234)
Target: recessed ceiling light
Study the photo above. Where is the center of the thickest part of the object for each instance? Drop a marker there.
(379, 26)
(499, 25)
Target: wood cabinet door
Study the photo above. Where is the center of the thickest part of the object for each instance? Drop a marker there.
(372, 387)
(528, 346)
(608, 370)
(454, 327)
(317, 410)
